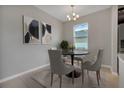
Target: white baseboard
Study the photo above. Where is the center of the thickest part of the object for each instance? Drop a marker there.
(22, 73)
(106, 66)
(109, 67)
(114, 73)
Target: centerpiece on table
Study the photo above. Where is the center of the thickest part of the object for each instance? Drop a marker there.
(71, 47)
(64, 45)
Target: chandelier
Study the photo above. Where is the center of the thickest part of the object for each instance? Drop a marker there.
(72, 16)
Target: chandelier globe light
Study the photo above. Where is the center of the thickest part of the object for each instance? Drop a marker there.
(73, 16)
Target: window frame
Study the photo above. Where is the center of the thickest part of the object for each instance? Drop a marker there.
(74, 37)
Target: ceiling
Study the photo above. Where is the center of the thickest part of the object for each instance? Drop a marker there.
(60, 11)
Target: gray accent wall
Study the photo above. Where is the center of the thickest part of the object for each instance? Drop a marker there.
(15, 57)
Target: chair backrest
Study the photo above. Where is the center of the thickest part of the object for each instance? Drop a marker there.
(97, 64)
(56, 63)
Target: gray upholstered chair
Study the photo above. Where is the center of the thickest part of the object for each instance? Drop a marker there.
(57, 65)
(93, 66)
(91, 56)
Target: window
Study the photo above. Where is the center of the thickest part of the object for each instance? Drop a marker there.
(81, 36)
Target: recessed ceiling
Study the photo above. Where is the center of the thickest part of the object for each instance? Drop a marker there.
(60, 11)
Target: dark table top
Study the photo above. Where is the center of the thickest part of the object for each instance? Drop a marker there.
(74, 52)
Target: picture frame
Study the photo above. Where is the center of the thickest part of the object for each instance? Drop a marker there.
(46, 33)
(31, 30)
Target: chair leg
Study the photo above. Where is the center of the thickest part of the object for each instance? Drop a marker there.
(87, 72)
(82, 76)
(60, 76)
(78, 63)
(97, 75)
(73, 77)
(51, 79)
(82, 72)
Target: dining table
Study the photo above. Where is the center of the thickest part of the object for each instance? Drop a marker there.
(72, 54)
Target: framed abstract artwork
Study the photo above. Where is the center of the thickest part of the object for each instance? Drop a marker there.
(46, 33)
(31, 31)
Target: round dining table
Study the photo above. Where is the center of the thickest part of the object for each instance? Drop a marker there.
(72, 54)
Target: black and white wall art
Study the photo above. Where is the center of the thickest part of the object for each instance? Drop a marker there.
(32, 32)
(46, 33)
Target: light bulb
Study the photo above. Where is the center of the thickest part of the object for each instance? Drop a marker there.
(69, 19)
(77, 16)
(73, 14)
(68, 16)
(74, 18)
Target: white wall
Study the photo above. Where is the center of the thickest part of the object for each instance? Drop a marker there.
(99, 32)
(0, 43)
(15, 57)
(114, 27)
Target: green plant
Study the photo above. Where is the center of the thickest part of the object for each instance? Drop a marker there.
(64, 44)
